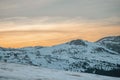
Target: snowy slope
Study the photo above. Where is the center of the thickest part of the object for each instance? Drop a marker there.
(9, 71)
(77, 55)
(112, 43)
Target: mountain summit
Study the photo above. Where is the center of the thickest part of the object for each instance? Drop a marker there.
(112, 43)
(77, 42)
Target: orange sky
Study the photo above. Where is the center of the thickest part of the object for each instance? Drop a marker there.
(51, 22)
(48, 34)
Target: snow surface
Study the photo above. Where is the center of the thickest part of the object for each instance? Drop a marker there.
(10, 71)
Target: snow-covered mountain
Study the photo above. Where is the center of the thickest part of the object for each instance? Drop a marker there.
(77, 55)
(10, 71)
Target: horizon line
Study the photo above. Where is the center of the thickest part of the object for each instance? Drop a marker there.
(60, 43)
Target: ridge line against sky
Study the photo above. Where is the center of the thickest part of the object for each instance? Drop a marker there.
(51, 22)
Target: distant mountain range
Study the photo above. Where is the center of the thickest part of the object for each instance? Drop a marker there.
(100, 57)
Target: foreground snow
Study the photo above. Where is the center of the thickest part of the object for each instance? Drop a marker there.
(10, 71)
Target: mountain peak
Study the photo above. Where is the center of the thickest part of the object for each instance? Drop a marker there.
(77, 42)
(110, 38)
(111, 42)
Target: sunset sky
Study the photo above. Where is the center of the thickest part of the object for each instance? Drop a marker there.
(51, 22)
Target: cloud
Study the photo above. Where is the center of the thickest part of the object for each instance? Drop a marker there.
(54, 23)
(51, 22)
(94, 9)
(13, 4)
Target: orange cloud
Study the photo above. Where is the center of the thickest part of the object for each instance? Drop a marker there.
(15, 34)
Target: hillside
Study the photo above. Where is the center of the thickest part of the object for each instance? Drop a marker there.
(76, 55)
(10, 71)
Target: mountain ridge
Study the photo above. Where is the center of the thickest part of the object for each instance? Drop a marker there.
(76, 55)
